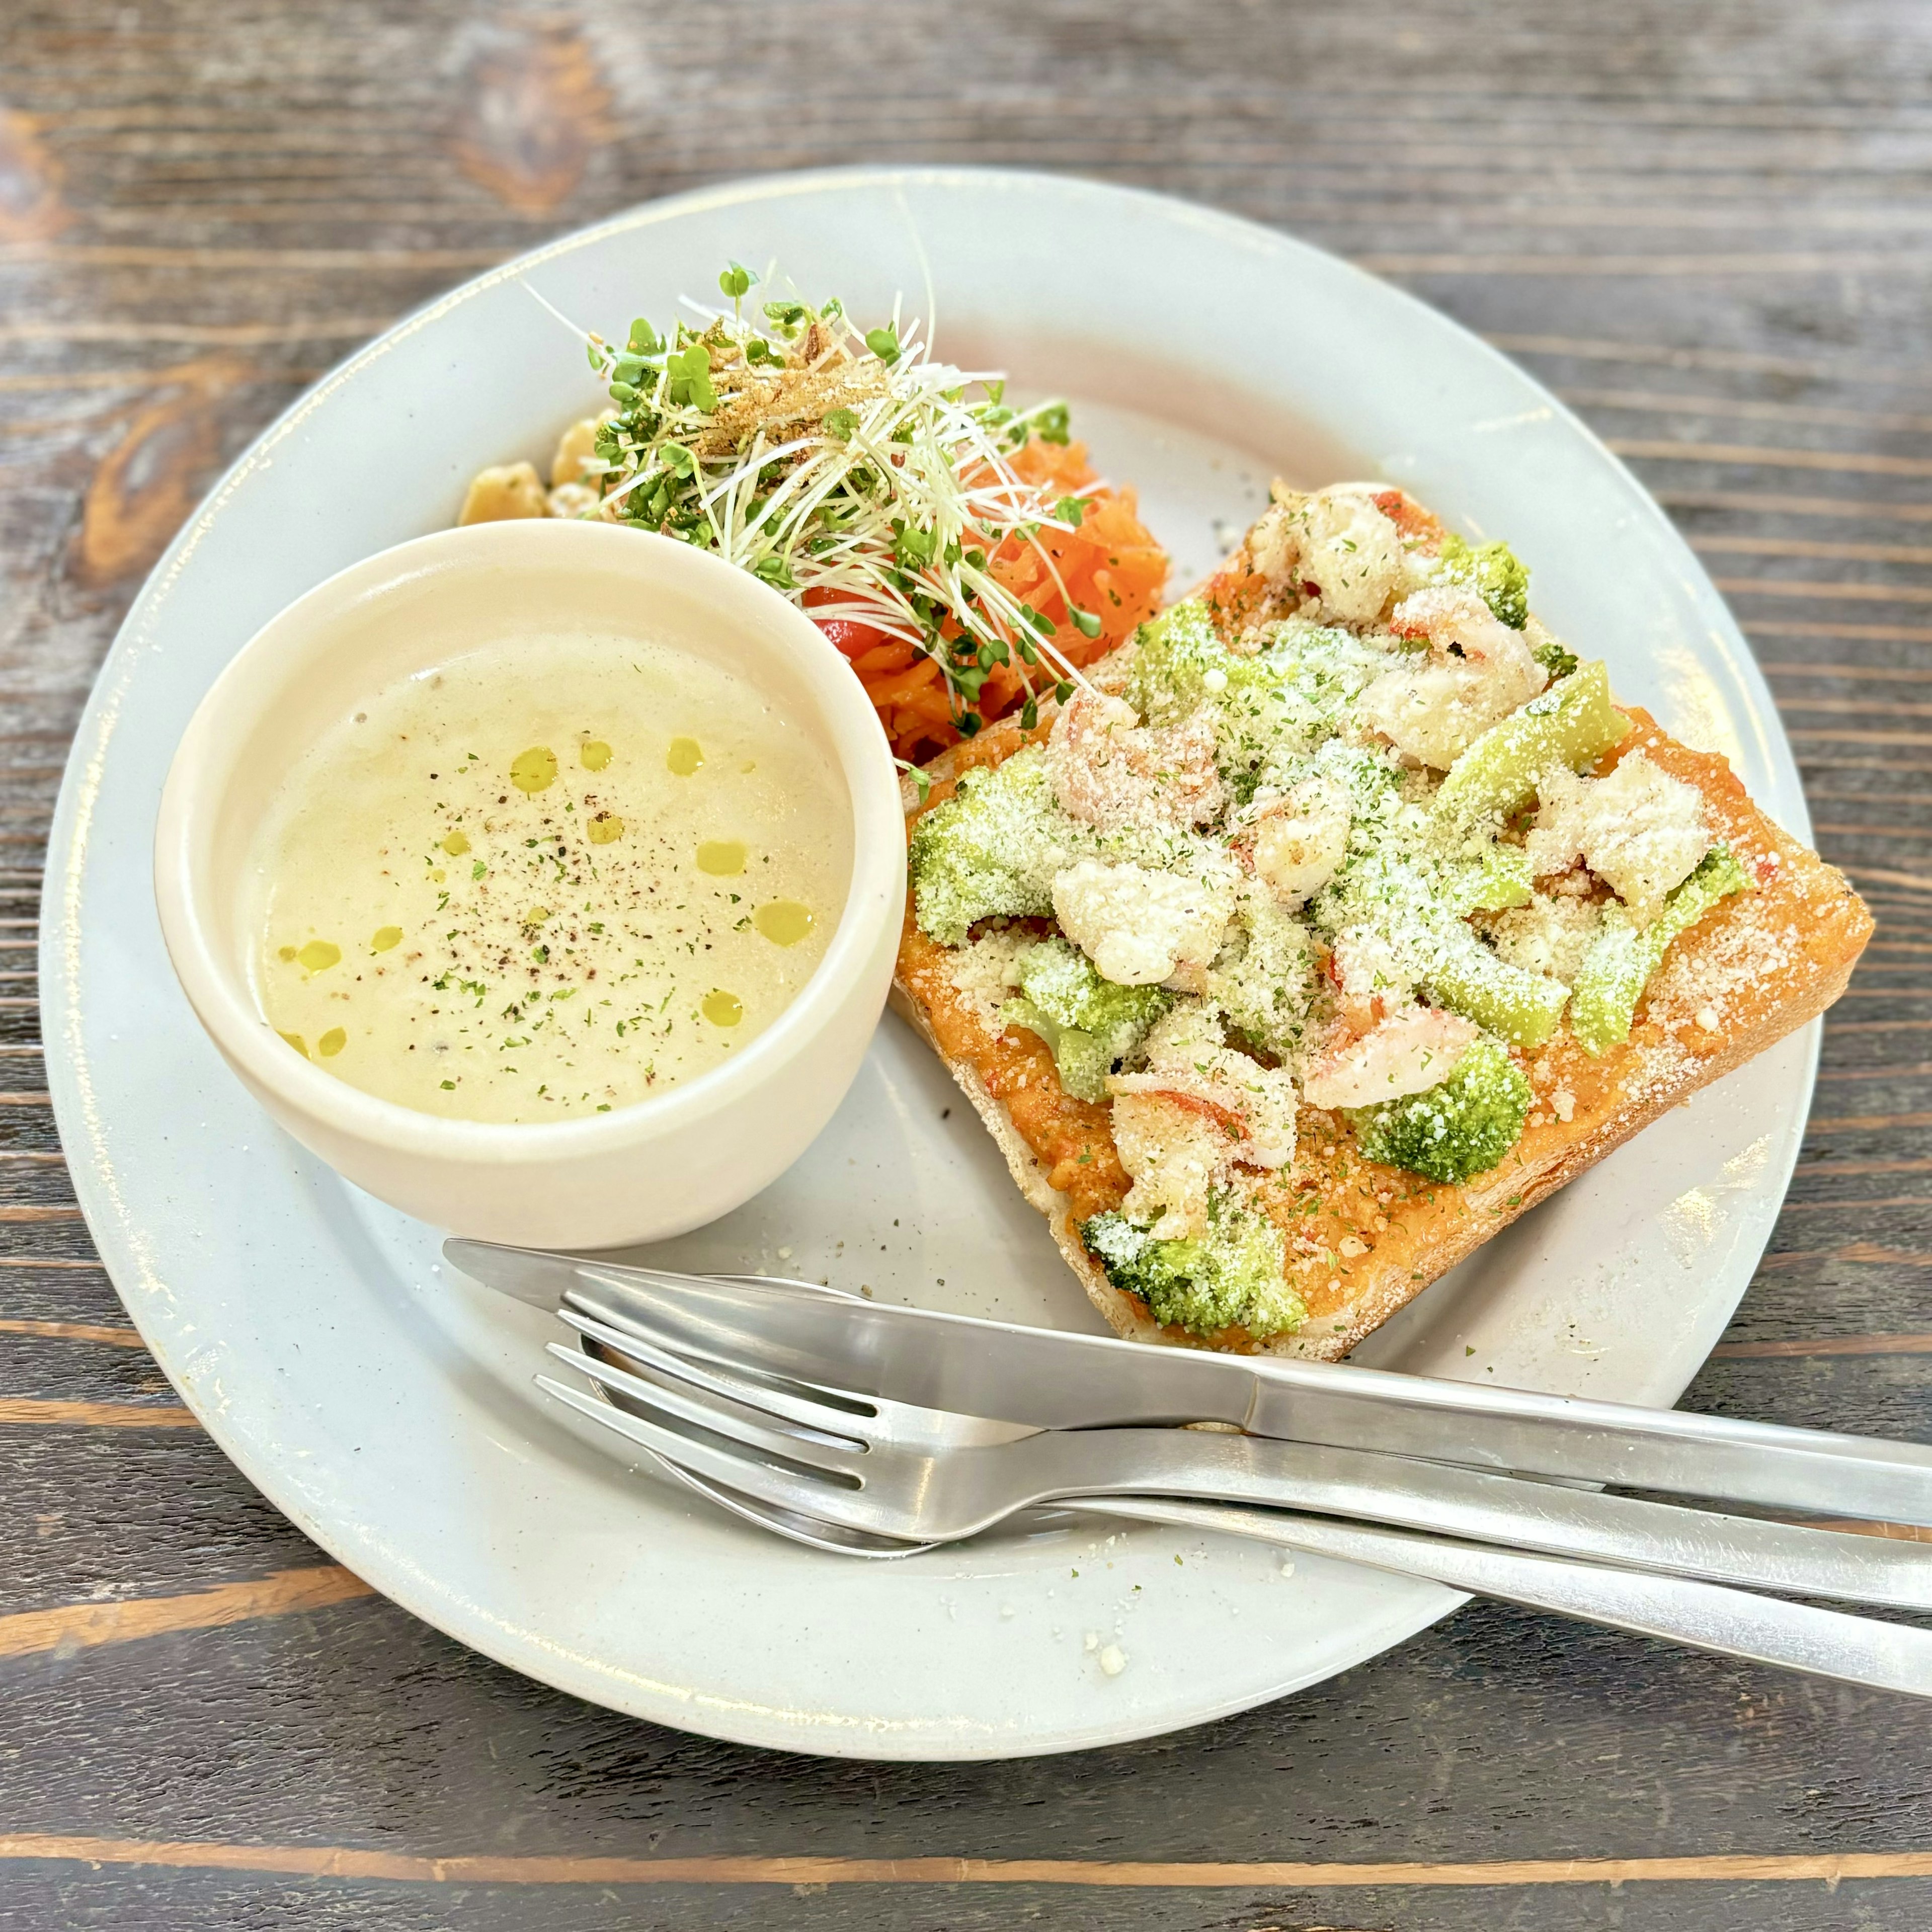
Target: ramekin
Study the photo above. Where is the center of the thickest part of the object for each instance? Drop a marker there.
(640, 1173)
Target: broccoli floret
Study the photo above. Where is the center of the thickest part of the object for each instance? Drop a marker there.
(1495, 571)
(1273, 705)
(1290, 697)
(1264, 980)
(1174, 657)
(1622, 957)
(1230, 1276)
(1554, 658)
(1063, 982)
(1091, 1023)
(992, 850)
(1463, 1126)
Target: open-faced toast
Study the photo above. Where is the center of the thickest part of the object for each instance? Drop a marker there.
(1754, 955)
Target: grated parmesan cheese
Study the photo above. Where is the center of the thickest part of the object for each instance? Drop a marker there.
(1549, 935)
(986, 973)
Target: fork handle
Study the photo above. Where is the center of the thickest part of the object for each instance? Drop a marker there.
(1706, 1616)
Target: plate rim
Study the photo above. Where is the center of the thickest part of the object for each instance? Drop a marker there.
(69, 851)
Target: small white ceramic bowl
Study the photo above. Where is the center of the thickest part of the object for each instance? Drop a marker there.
(643, 1172)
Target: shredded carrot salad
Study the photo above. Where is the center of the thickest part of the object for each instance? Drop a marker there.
(1111, 565)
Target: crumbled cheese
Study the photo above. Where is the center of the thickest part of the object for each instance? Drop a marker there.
(986, 973)
(1707, 1018)
(1563, 1104)
(1746, 957)
(1113, 1659)
(1369, 964)
(1639, 829)
(1110, 770)
(1137, 926)
(1549, 935)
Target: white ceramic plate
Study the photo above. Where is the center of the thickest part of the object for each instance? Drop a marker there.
(387, 1408)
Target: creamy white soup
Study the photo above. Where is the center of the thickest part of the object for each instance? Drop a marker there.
(549, 878)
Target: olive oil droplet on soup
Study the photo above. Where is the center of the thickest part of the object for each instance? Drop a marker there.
(784, 922)
(722, 858)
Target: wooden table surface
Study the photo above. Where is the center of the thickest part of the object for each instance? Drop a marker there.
(1710, 230)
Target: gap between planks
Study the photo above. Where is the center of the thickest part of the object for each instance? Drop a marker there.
(1598, 348)
(68, 1627)
(1827, 1344)
(1664, 449)
(1875, 509)
(1786, 262)
(1831, 1869)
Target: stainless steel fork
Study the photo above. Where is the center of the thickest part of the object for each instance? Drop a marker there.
(859, 1475)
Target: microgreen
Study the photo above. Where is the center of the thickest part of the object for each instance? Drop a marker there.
(848, 469)
(1051, 424)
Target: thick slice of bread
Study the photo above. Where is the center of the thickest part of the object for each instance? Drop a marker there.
(1364, 1239)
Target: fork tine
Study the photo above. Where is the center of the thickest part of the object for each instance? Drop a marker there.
(804, 1493)
(813, 1403)
(726, 1315)
(840, 1420)
(815, 1532)
(721, 1417)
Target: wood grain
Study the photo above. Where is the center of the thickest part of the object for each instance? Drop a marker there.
(346, 1861)
(45, 1411)
(73, 1627)
(1710, 230)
